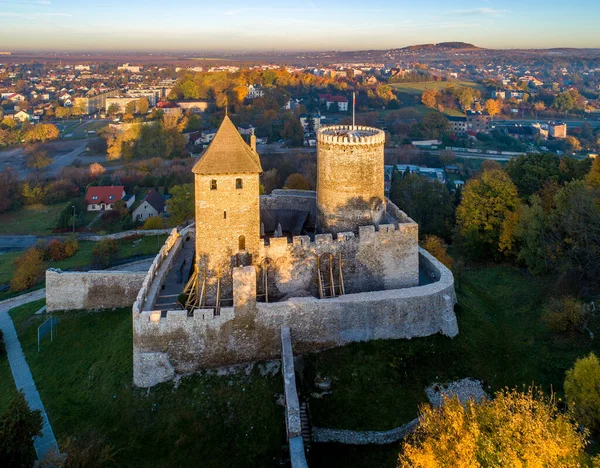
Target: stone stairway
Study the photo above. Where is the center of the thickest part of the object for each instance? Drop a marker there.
(306, 429)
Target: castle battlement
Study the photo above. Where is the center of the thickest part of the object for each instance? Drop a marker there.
(277, 246)
(350, 135)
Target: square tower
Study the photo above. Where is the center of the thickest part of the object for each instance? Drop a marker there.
(227, 206)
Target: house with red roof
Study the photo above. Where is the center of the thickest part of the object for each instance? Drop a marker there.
(104, 198)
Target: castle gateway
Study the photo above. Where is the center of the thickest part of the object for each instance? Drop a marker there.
(335, 266)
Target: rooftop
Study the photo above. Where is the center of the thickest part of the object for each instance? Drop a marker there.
(228, 153)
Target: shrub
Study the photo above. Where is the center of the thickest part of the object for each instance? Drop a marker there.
(2, 346)
(582, 390)
(56, 250)
(153, 222)
(71, 246)
(565, 315)
(30, 270)
(105, 252)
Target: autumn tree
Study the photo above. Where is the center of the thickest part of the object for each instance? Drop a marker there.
(296, 182)
(142, 105)
(592, 179)
(18, 426)
(430, 98)
(104, 253)
(96, 170)
(486, 211)
(30, 268)
(582, 391)
(513, 429)
(493, 106)
(37, 160)
(437, 247)
(181, 204)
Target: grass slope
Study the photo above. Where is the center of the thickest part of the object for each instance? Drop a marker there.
(502, 341)
(418, 88)
(84, 378)
(30, 219)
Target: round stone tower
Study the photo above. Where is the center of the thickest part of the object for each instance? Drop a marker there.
(350, 178)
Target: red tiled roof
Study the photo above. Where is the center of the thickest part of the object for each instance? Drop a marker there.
(167, 105)
(338, 99)
(97, 195)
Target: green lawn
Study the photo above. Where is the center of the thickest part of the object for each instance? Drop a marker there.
(84, 379)
(502, 341)
(418, 88)
(30, 219)
(148, 245)
(7, 388)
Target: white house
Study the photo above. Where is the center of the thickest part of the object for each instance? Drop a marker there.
(153, 204)
(22, 116)
(104, 198)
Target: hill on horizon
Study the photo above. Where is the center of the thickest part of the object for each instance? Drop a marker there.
(442, 45)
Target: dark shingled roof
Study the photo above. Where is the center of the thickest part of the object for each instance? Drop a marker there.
(156, 200)
(228, 153)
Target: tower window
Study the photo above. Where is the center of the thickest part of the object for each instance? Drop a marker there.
(238, 183)
(242, 243)
(213, 184)
(224, 214)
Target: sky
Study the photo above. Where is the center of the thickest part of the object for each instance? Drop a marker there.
(284, 25)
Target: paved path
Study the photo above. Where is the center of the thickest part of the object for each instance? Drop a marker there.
(20, 369)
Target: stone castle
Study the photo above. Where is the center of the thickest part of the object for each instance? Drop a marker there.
(335, 266)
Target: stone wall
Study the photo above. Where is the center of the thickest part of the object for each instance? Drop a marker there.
(166, 344)
(91, 290)
(350, 173)
(373, 260)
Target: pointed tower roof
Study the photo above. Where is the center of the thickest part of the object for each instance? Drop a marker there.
(228, 153)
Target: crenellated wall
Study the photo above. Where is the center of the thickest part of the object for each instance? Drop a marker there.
(166, 344)
(350, 177)
(375, 259)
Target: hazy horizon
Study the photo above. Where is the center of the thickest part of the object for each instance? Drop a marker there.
(235, 27)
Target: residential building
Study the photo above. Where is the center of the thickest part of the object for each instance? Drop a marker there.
(153, 204)
(340, 101)
(207, 136)
(22, 116)
(498, 94)
(458, 124)
(478, 122)
(130, 68)
(104, 198)
(304, 121)
(197, 106)
(255, 92)
(94, 100)
(557, 130)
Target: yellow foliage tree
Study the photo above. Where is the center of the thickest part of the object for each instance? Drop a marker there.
(430, 97)
(438, 248)
(593, 176)
(493, 106)
(515, 429)
(582, 389)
